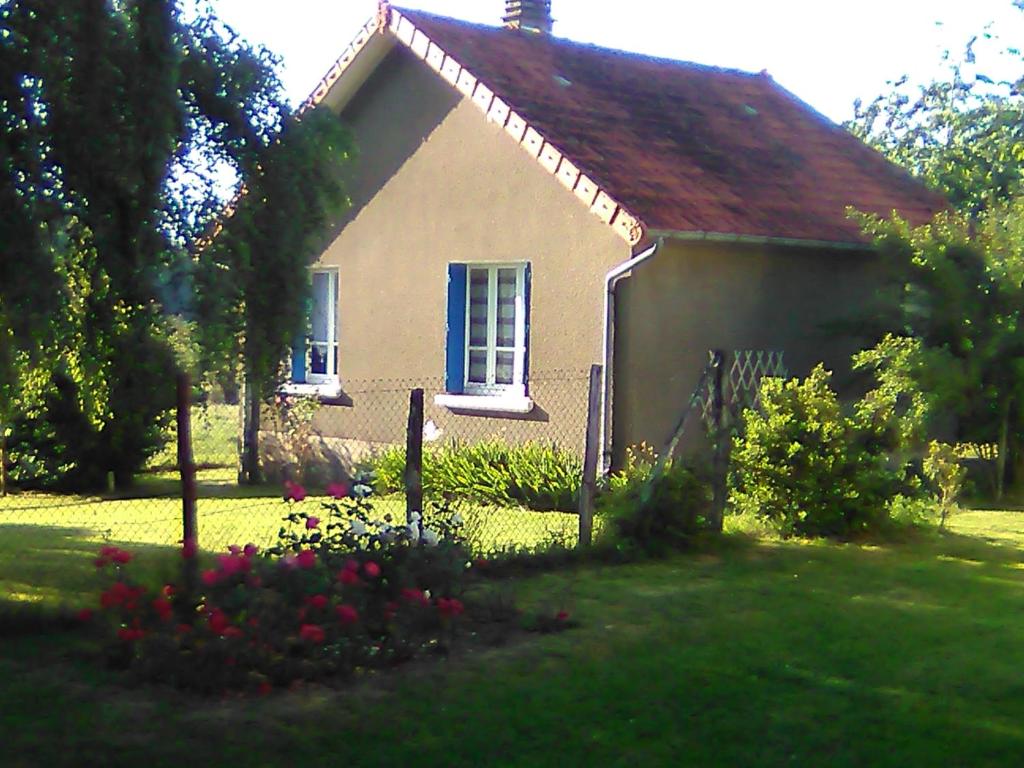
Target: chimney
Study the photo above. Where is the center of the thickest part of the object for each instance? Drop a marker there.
(529, 15)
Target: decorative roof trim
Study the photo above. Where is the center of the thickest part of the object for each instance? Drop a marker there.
(495, 110)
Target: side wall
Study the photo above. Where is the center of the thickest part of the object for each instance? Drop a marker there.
(434, 183)
(694, 297)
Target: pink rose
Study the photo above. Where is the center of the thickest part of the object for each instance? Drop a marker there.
(371, 569)
(293, 491)
(347, 614)
(312, 522)
(337, 490)
(312, 633)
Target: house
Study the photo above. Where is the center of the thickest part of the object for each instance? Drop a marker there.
(524, 205)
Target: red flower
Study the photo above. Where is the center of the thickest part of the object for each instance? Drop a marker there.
(130, 635)
(188, 549)
(312, 522)
(371, 569)
(183, 629)
(345, 576)
(232, 632)
(389, 610)
(264, 688)
(120, 556)
(163, 608)
(210, 577)
(168, 590)
(250, 550)
(313, 633)
(347, 614)
(84, 615)
(293, 491)
(119, 593)
(449, 606)
(562, 616)
(415, 596)
(337, 490)
(100, 562)
(306, 558)
(218, 621)
(480, 562)
(318, 601)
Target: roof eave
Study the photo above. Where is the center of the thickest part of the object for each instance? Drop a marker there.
(726, 237)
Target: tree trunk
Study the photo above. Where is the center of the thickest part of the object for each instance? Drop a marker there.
(1004, 432)
(251, 439)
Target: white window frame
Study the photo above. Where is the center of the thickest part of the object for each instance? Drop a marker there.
(333, 290)
(518, 386)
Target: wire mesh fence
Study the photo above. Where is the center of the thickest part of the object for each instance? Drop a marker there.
(512, 477)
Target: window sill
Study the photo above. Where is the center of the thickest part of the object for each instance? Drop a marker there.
(329, 390)
(485, 403)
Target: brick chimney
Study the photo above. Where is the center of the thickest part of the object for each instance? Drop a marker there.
(529, 15)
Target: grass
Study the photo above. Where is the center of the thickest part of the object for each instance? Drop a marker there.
(755, 653)
(48, 542)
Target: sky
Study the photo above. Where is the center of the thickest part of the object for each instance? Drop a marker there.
(828, 52)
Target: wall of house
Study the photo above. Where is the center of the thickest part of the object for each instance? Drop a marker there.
(693, 297)
(433, 183)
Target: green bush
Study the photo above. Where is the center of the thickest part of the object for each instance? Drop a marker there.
(675, 509)
(809, 469)
(535, 476)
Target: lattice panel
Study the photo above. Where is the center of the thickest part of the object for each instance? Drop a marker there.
(742, 381)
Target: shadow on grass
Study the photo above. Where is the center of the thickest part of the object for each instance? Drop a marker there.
(55, 565)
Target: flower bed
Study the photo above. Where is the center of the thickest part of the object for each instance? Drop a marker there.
(341, 591)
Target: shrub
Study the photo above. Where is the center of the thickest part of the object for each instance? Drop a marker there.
(946, 475)
(349, 591)
(808, 468)
(653, 518)
(535, 476)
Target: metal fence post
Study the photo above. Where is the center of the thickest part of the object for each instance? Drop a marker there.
(187, 469)
(414, 456)
(588, 488)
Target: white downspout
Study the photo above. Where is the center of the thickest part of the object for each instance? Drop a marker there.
(607, 347)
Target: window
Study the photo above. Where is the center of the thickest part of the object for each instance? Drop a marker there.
(488, 334)
(315, 357)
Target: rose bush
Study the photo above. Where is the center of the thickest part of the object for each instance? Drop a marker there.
(342, 590)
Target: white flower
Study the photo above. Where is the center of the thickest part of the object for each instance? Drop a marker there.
(414, 516)
(430, 538)
(357, 527)
(414, 530)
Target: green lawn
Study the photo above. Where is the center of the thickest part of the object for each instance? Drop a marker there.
(48, 542)
(755, 653)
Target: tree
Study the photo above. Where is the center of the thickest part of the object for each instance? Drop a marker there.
(275, 232)
(958, 285)
(121, 122)
(962, 133)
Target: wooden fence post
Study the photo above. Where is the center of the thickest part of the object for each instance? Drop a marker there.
(414, 456)
(719, 438)
(591, 450)
(187, 469)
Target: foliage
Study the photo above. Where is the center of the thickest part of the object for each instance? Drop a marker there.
(536, 476)
(962, 133)
(946, 474)
(291, 421)
(957, 286)
(808, 468)
(348, 592)
(653, 516)
(120, 123)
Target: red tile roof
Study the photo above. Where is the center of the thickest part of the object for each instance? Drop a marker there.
(683, 146)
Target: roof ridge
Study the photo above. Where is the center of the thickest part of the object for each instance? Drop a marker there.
(595, 47)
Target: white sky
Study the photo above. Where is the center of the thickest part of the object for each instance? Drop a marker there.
(828, 52)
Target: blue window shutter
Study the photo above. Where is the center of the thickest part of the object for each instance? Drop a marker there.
(299, 360)
(455, 339)
(526, 307)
